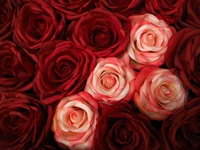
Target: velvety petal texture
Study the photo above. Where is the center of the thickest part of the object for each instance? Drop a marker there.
(182, 130)
(25, 122)
(73, 9)
(101, 31)
(120, 127)
(167, 10)
(126, 8)
(16, 68)
(63, 69)
(38, 22)
(183, 53)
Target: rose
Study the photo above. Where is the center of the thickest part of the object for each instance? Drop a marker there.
(73, 9)
(149, 38)
(126, 8)
(120, 127)
(8, 14)
(183, 53)
(24, 123)
(74, 121)
(189, 15)
(111, 80)
(63, 69)
(181, 131)
(166, 10)
(38, 22)
(16, 68)
(101, 31)
(159, 92)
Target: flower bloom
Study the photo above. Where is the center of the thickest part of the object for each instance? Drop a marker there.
(181, 130)
(158, 93)
(74, 121)
(111, 80)
(121, 127)
(149, 38)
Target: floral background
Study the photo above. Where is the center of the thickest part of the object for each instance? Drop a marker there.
(100, 74)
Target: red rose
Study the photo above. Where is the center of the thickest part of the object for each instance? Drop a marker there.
(8, 14)
(182, 130)
(16, 68)
(189, 15)
(73, 9)
(120, 127)
(183, 53)
(63, 69)
(24, 123)
(101, 31)
(163, 9)
(38, 22)
(127, 7)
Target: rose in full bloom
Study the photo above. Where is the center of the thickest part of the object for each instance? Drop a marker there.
(183, 53)
(127, 7)
(111, 80)
(159, 92)
(25, 122)
(165, 9)
(63, 69)
(149, 38)
(101, 31)
(182, 130)
(16, 68)
(38, 22)
(189, 15)
(74, 121)
(8, 14)
(120, 127)
(73, 9)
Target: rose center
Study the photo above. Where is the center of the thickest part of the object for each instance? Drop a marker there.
(77, 117)
(108, 81)
(166, 91)
(124, 134)
(150, 39)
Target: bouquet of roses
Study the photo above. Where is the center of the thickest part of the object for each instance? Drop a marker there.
(100, 74)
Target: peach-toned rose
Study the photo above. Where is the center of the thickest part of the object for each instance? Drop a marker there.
(74, 121)
(159, 92)
(111, 80)
(149, 38)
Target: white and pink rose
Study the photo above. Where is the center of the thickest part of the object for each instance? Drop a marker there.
(74, 121)
(149, 38)
(159, 92)
(111, 80)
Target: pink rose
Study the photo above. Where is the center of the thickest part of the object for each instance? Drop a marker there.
(111, 80)
(74, 121)
(159, 92)
(149, 38)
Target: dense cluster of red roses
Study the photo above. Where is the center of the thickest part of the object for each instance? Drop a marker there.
(53, 53)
